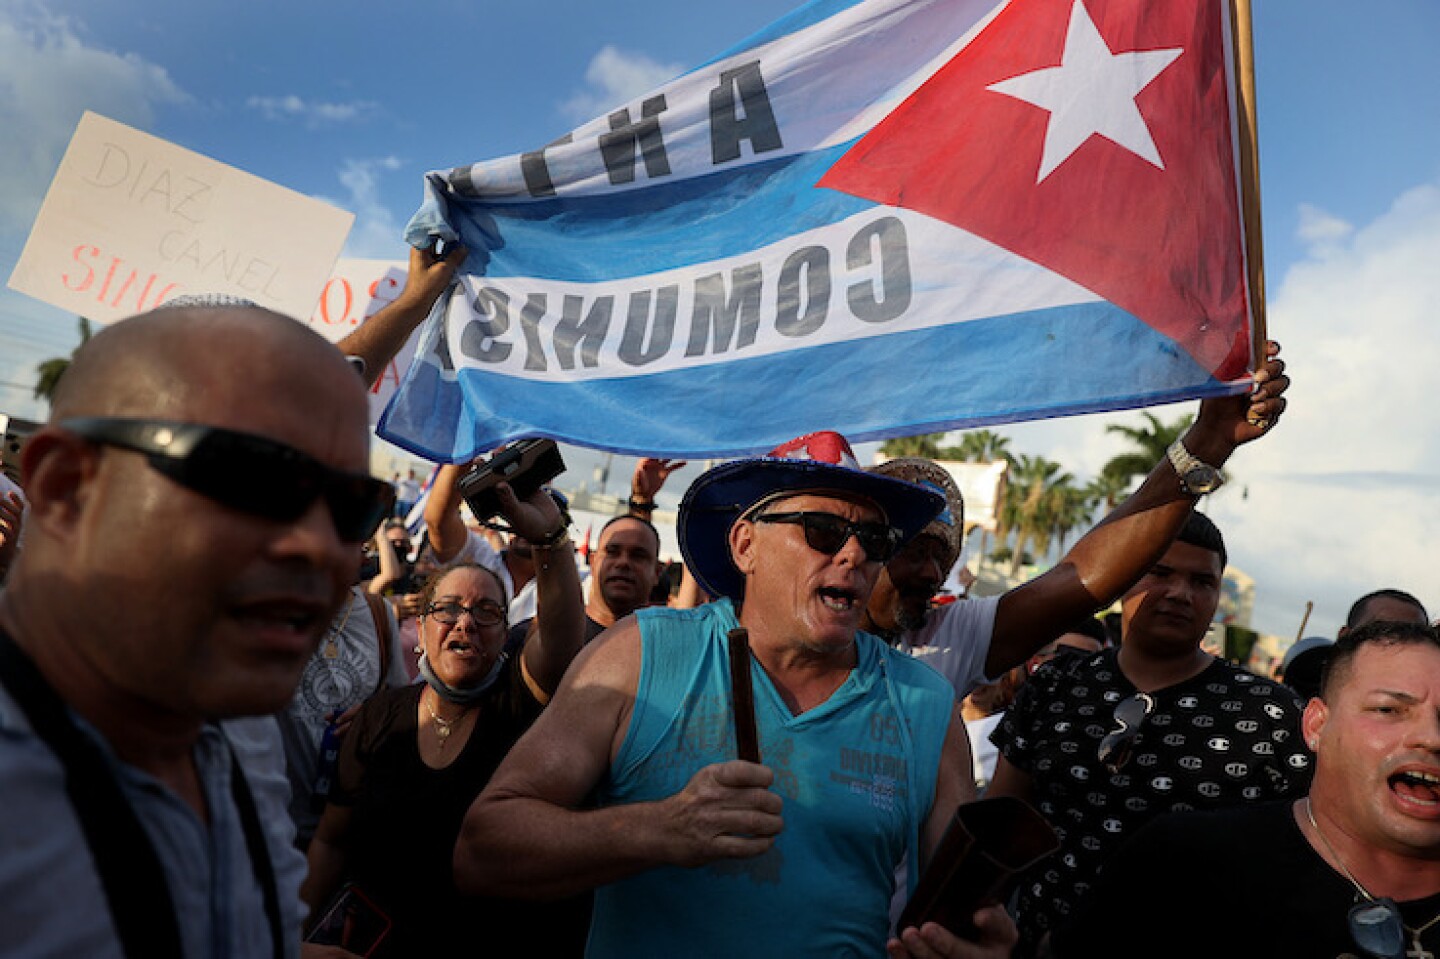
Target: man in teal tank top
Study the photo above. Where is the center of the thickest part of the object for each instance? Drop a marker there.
(630, 781)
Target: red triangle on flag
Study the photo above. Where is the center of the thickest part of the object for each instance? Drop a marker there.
(1161, 240)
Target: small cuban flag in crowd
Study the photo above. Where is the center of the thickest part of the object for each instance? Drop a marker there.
(882, 217)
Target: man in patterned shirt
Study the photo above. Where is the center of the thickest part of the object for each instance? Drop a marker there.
(1102, 744)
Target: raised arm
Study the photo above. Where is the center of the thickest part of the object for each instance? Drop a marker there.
(442, 514)
(1112, 556)
(390, 571)
(524, 836)
(558, 632)
(381, 336)
(647, 480)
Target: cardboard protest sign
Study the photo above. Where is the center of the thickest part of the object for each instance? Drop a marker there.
(132, 221)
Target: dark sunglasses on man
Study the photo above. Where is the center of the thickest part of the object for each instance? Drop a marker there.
(827, 533)
(245, 472)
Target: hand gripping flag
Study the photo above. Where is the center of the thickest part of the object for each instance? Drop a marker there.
(882, 217)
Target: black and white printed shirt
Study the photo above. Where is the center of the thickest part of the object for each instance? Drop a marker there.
(1223, 737)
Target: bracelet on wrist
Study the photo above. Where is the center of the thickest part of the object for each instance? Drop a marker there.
(645, 505)
(552, 540)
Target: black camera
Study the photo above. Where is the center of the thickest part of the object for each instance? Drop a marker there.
(526, 465)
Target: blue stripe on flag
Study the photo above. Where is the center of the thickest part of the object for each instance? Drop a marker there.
(669, 225)
(1018, 367)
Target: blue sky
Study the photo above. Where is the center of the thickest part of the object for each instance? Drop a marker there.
(354, 103)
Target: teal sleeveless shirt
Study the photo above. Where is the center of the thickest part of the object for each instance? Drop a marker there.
(857, 774)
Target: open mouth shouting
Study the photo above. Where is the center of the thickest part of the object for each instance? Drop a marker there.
(1418, 790)
(459, 646)
(839, 599)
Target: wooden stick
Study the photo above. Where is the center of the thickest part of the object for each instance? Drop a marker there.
(1249, 149)
(747, 740)
(1300, 633)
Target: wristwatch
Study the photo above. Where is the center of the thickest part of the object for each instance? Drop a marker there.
(1196, 476)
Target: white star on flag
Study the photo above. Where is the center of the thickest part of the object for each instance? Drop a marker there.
(1092, 92)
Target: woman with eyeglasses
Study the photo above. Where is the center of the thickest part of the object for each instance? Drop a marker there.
(416, 758)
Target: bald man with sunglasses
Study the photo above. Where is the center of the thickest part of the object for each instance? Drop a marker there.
(198, 501)
(698, 847)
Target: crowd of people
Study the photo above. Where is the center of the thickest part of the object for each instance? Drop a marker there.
(243, 713)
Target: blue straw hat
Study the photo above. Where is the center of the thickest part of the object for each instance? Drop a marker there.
(818, 462)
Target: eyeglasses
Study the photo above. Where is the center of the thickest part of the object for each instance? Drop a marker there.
(485, 612)
(248, 473)
(1117, 745)
(827, 533)
(1377, 929)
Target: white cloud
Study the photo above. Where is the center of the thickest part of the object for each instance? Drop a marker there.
(1345, 497)
(377, 233)
(312, 113)
(615, 77)
(48, 78)
(1319, 229)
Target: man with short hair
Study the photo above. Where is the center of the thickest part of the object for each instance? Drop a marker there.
(198, 501)
(1304, 663)
(1351, 869)
(978, 640)
(1102, 744)
(694, 851)
(624, 567)
(1390, 605)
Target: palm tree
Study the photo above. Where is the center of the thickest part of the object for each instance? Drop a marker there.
(980, 446)
(926, 445)
(1150, 443)
(1070, 508)
(1108, 488)
(50, 371)
(1023, 512)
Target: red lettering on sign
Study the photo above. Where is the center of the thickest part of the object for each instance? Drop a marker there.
(86, 255)
(89, 272)
(348, 300)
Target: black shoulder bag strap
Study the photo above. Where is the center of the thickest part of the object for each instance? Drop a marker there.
(129, 869)
(259, 853)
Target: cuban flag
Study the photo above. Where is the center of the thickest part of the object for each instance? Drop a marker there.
(881, 217)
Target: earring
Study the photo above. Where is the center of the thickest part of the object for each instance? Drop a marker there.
(418, 649)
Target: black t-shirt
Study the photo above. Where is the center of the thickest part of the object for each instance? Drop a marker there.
(405, 820)
(1236, 882)
(1223, 737)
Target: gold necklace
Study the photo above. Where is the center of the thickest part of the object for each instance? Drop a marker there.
(443, 727)
(1416, 950)
(332, 648)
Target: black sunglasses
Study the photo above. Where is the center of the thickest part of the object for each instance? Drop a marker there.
(1116, 747)
(827, 533)
(485, 613)
(248, 473)
(1377, 928)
